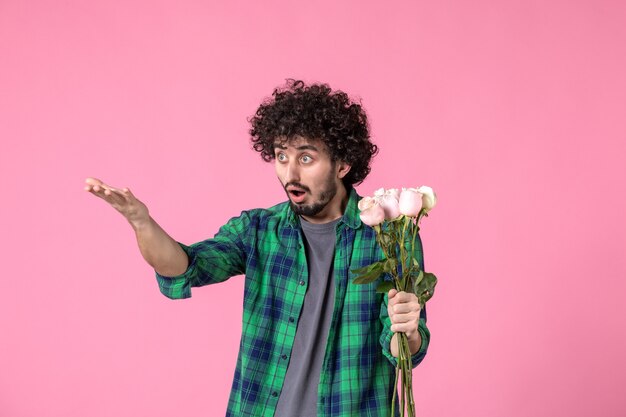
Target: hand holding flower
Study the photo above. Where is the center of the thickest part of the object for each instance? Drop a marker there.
(404, 311)
(395, 217)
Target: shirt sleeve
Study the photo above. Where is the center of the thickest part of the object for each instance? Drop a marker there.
(387, 334)
(211, 260)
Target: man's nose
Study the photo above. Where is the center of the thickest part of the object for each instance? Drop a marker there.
(293, 172)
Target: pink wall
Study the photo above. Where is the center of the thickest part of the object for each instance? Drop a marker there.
(512, 110)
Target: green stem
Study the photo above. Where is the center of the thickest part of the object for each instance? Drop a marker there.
(416, 229)
(401, 364)
(407, 220)
(395, 391)
(403, 254)
(407, 374)
(382, 246)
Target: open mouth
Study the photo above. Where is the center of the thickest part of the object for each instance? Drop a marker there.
(297, 195)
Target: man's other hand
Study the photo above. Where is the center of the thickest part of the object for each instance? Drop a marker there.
(122, 200)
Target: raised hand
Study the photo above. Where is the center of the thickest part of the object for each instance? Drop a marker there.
(121, 200)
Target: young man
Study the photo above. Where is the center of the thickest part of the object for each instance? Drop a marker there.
(313, 343)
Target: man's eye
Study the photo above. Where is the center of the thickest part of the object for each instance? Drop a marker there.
(306, 159)
(280, 157)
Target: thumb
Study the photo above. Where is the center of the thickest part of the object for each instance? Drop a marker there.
(392, 293)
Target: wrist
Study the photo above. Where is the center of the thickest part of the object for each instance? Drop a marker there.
(415, 339)
(140, 224)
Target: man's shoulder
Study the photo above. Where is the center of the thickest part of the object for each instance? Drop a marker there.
(277, 210)
(278, 214)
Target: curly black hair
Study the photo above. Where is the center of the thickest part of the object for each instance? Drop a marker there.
(315, 112)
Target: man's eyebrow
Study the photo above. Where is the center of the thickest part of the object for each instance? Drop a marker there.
(300, 148)
(309, 147)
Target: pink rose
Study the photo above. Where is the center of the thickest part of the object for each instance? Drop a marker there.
(410, 202)
(393, 192)
(429, 198)
(373, 215)
(389, 203)
(366, 202)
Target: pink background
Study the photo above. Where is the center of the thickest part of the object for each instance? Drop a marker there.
(514, 111)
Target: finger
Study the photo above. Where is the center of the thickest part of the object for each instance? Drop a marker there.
(405, 318)
(120, 196)
(392, 293)
(97, 185)
(92, 181)
(128, 193)
(109, 194)
(120, 193)
(108, 190)
(405, 297)
(403, 328)
(404, 308)
(102, 188)
(116, 198)
(95, 190)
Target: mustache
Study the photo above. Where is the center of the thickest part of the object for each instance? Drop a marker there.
(297, 184)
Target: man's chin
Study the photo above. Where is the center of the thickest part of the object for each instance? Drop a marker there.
(306, 209)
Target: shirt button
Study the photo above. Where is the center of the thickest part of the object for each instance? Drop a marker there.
(274, 394)
(291, 320)
(301, 282)
(284, 356)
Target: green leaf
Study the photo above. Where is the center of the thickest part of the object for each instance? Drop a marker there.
(397, 219)
(385, 238)
(390, 265)
(368, 268)
(419, 278)
(425, 289)
(371, 275)
(385, 286)
(367, 278)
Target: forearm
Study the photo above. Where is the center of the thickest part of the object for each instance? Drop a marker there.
(415, 341)
(162, 252)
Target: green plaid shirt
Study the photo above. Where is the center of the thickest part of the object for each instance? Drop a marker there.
(266, 246)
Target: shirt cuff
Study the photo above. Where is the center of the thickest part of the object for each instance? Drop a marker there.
(179, 286)
(417, 357)
(421, 353)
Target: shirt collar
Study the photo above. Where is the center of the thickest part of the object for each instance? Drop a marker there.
(350, 216)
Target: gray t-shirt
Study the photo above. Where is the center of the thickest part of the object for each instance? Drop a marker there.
(298, 397)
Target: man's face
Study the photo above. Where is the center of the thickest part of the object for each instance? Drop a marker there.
(308, 175)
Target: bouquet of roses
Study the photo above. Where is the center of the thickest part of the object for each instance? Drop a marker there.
(395, 216)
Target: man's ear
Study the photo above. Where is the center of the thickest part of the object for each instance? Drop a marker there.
(342, 169)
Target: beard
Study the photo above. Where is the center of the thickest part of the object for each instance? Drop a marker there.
(326, 195)
(314, 208)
